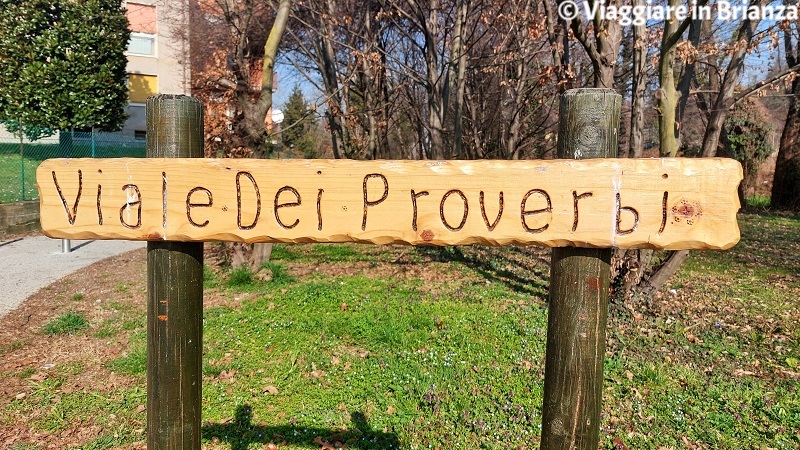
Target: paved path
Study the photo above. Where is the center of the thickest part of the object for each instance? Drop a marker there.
(30, 263)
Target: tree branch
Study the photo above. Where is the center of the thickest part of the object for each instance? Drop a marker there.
(758, 86)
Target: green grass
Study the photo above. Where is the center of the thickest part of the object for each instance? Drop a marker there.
(17, 178)
(364, 355)
(712, 360)
(340, 253)
(135, 361)
(240, 277)
(210, 278)
(18, 174)
(280, 275)
(758, 201)
(427, 348)
(126, 318)
(68, 323)
(60, 411)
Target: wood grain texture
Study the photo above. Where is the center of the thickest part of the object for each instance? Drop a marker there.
(174, 293)
(579, 285)
(575, 349)
(632, 203)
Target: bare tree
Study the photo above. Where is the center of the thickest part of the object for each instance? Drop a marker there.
(237, 81)
(741, 43)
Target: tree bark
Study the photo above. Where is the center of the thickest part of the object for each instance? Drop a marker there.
(667, 96)
(603, 48)
(665, 271)
(786, 181)
(719, 112)
(437, 85)
(685, 83)
(330, 79)
(559, 46)
(639, 84)
(459, 53)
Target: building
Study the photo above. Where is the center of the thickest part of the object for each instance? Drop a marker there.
(158, 56)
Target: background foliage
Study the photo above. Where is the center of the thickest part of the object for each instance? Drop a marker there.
(63, 64)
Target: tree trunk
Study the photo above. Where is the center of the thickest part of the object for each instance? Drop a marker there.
(607, 33)
(667, 96)
(633, 265)
(256, 113)
(251, 127)
(476, 150)
(639, 84)
(688, 75)
(664, 272)
(330, 79)
(513, 112)
(559, 45)
(459, 53)
(719, 112)
(786, 181)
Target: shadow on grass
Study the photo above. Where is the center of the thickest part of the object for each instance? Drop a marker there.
(522, 269)
(240, 433)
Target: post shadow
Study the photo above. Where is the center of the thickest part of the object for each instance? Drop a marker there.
(495, 263)
(241, 433)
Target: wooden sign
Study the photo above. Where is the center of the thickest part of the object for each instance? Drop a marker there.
(625, 203)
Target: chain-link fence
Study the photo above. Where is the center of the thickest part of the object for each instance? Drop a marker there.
(23, 148)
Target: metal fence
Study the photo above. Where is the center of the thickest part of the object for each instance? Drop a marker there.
(23, 148)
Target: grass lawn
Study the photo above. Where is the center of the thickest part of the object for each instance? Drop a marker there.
(18, 175)
(17, 178)
(348, 346)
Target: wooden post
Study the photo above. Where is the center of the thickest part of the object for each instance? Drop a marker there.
(579, 285)
(174, 293)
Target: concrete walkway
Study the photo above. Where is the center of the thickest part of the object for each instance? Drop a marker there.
(30, 263)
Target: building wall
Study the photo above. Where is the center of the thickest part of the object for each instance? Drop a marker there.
(158, 55)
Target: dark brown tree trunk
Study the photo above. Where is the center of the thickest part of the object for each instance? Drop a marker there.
(459, 64)
(688, 75)
(664, 272)
(330, 79)
(786, 182)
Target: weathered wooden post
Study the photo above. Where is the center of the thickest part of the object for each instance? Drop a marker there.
(174, 292)
(579, 284)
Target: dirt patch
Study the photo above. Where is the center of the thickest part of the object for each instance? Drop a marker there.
(30, 357)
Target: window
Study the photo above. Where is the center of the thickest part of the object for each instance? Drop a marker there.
(141, 86)
(140, 135)
(142, 19)
(142, 44)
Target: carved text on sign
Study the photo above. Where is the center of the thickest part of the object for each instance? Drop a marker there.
(641, 203)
